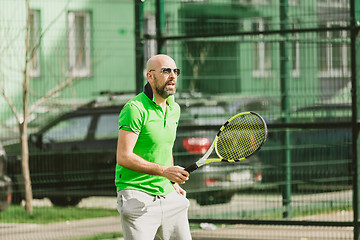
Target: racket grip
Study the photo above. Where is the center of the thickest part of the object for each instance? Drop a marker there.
(191, 168)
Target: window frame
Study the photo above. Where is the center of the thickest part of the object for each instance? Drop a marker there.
(73, 69)
(343, 70)
(253, 2)
(295, 47)
(34, 43)
(150, 45)
(334, 3)
(260, 69)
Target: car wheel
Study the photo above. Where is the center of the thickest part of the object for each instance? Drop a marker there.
(65, 201)
(210, 198)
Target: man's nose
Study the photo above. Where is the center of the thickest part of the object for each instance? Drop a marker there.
(173, 74)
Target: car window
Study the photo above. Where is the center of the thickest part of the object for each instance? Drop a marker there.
(322, 114)
(107, 127)
(71, 129)
(206, 110)
(203, 115)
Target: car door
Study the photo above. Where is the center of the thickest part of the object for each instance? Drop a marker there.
(59, 166)
(102, 146)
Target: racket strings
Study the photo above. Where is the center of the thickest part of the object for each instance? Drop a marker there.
(241, 137)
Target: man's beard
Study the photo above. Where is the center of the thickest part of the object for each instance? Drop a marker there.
(163, 91)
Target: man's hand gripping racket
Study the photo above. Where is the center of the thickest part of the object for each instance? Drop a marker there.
(239, 138)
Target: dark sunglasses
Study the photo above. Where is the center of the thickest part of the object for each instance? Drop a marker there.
(168, 71)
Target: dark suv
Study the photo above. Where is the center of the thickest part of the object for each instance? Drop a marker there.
(319, 149)
(5, 182)
(74, 156)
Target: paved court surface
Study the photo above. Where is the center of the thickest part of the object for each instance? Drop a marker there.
(63, 230)
(89, 227)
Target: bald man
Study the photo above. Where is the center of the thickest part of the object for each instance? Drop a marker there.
(151, 206)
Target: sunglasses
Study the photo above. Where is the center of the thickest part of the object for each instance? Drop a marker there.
(168, 71)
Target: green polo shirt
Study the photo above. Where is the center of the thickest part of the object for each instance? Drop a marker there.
(157, 133)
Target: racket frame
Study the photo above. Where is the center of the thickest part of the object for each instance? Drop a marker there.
(205, 160)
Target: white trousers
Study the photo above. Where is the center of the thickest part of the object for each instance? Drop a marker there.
(149, 217)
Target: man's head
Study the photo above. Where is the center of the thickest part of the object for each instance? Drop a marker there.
(162, 75)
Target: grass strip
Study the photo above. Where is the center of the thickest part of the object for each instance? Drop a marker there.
(42, 215)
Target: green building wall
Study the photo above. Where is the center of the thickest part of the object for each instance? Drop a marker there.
(219, 63)
(112, 49)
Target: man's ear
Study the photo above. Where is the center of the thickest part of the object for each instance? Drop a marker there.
(149, 76)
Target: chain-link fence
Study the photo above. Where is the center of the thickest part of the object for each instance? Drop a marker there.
(292, 61)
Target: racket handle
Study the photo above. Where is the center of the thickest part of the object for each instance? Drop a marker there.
(191, 168)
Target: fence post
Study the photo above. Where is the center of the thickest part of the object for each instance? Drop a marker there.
(139, 45)
(285, 105)
(354, 24)
(160, 25)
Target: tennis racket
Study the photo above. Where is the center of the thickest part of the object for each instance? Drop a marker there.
(238, 139)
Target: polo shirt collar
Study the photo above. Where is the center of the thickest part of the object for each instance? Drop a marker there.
(149, 93)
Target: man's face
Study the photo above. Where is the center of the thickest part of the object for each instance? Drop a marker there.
(165, 82)
(164, 77)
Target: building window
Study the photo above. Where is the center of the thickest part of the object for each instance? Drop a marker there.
(79, 44)
(294, 2)
(295, 52)
(150, 48)
(253, 2)
(262, 51)
(334, 52)
(34, 43)
(334, 3)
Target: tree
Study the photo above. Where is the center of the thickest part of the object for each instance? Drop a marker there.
(29, 107)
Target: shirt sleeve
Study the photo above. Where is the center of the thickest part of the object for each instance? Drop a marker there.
(130, 118)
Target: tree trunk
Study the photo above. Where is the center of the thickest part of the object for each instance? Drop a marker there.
(23, 125)
(25, 167)
(26, 110)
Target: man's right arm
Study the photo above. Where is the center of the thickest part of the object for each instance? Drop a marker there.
(127, 158)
